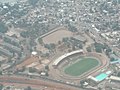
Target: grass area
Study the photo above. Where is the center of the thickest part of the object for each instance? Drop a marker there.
(81, 66)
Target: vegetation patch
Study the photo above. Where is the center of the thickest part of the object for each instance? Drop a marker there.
(81, 66)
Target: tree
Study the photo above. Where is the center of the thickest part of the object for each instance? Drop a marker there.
(1, 87)
(65, 39)
(47, 67)
(3, 28)
(32, 70)
(73, 48)
(47, 74)
(112, 59)
(28, 88)
(88, 49)
(40, 40)
(52, 45)
(118, 74)
(0, 63)
(108, 51)
(0, 72)
(114, 53)
(72, 28)
(24, 34)
(99, 88)
(33, 2)
(99, 47)
(59, 42)
(47, 55)
(80, 46)
(81, 83)
(40, 62)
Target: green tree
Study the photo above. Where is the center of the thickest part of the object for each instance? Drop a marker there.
(47, 67)
(72, 28)
(32, 70)
(99, 47)
(118, 74)
(0, 63)
(1, 87)
(73, 48)
(24, 34)
(59, 42)
(47, 74)
(99, 88)
(81, 83)
(0, 72)
(52, 45)
(65, 39)
(112, 59)
(40, 40)
(33, 2)
(3, 28)
(88, 49)
(28, 88)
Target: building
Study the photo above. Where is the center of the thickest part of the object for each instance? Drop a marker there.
(6, 52)
(11, 47)
(115, 78)
(3, 59)
(99, 78)
(57, 61)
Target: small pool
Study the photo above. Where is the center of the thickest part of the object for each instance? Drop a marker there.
(101, 77)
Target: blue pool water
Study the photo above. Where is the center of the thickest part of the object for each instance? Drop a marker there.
(101, 77)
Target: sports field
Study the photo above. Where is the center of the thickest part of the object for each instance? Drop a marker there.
(81, 66)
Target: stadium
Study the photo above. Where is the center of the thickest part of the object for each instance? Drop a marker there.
(78, 64)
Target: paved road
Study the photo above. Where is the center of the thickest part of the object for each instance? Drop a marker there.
(15, 80)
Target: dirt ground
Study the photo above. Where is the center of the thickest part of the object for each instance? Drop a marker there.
(35, 83)
(57, 36)
(28, 61)
(33, 61)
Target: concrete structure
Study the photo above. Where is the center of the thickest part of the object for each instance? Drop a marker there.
(100, 77)
(2, 59)
(34, 53)
(57, 61)
(115, 78)
(115, 62)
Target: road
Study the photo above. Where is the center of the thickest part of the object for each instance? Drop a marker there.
(22, 81)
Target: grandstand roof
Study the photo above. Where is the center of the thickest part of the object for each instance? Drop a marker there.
(66, 55)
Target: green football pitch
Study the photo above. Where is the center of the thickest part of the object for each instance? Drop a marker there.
(81, 66)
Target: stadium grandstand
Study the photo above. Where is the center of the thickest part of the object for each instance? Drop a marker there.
(57, 61)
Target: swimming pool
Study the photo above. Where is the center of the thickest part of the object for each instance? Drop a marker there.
(101, 77)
